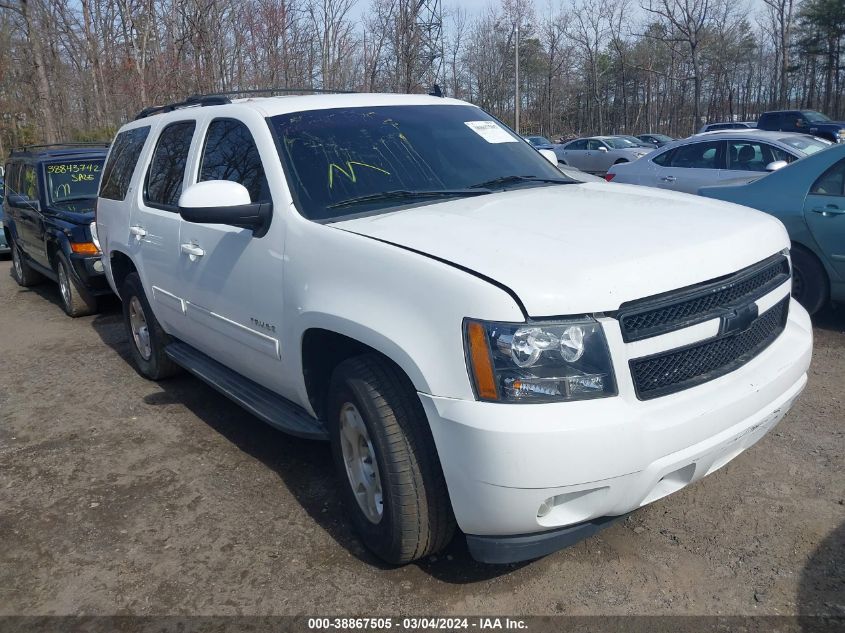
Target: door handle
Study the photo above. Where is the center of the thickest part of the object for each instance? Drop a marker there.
(828, 210)
(137, 231)
(668, 179)
(193, 251)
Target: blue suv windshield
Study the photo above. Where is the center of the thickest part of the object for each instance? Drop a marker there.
(345, 161)
(72, 180)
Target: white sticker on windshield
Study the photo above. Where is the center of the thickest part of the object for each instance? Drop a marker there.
(491, 131)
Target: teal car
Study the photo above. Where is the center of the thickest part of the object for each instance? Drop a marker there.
(808, 196)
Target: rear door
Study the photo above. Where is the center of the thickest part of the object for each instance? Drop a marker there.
(154, 224)
(576, 155)
(824, 210)
(688, 167)
(231, 280)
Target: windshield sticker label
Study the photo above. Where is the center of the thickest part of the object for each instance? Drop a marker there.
(490, 131)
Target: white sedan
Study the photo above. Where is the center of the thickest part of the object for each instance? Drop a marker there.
(715, 158)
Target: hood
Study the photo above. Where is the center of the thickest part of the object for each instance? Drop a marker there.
(583, 248)
(76, 211)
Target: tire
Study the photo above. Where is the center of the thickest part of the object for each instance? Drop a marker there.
(147, 348)
(21, 271)
(810, 286)
(76, 301)
(415, 516)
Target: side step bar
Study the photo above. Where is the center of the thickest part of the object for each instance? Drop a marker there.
(260, 401)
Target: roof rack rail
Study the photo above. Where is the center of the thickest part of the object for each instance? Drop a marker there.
(222, 98)
(26, 148)
(195, 100)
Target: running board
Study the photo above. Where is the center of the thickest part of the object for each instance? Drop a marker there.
(260, 401)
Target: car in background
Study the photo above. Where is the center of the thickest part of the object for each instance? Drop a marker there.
(714, 158)
(634, 139)
(49, 212)
(4, 240)
(655, 140)
(809, 198)
(731, 125)
(539, 142)
(803, 122)
(597, 154)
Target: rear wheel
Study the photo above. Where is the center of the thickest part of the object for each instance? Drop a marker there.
(75, 300)
(391, 480)
(146, 337)
(23, 274)
(810, 286)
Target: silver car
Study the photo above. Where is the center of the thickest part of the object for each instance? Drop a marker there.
(716, 158)
(597, 153)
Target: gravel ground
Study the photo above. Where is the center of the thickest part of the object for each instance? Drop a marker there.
(123, 496)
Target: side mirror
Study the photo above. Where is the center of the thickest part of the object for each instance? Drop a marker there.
(17, 200)
(549, 155)
(602, 148)
(225, 202)
(778, 164)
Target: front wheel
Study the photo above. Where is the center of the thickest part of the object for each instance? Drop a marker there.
(391, 480)
(75, 300)
(147, 339)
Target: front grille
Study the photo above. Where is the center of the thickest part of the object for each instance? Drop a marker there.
(665, 313)
(685, 367)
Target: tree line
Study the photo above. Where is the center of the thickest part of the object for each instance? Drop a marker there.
(77, 70)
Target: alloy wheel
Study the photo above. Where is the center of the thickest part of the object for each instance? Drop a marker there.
(140, 330)
(360, 461)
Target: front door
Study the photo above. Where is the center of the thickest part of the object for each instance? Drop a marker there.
(824, 210)
(233, 281)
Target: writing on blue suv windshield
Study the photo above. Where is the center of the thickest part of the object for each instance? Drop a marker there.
(72, 181)
(349, 161)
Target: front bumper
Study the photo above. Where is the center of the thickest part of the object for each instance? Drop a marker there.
(608, 457)
(90, 272)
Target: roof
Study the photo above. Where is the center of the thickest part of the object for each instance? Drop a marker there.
(60, 150)
(273, 106)
(749, 134)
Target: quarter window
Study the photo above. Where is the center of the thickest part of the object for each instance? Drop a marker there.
(167, 167)
(120, 166)
(230, 154)
(831, 182)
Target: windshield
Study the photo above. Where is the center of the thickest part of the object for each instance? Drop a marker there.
(72, 180)
(662, 138)
(346, 161)
(816, 117)
(539, 140)
(621, 142)
(806, 144)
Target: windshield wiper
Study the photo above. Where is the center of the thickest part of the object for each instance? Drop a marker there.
(401, 194)
(506, 180)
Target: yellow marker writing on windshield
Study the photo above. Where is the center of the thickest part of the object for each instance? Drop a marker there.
(351, 173)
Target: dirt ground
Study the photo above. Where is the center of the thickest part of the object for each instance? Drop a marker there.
(123, 496)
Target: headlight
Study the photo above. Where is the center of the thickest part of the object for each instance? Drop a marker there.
(94, 237)
(539, 362)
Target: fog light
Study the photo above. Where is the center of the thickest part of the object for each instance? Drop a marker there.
(546, 507)
(98, 266)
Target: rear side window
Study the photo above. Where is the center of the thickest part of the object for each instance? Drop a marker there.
(11, 183)
(167, 167)
(118, 171)
(582, 144)
(664, 159)
(831, 182)
(230, 154)
(698, 156)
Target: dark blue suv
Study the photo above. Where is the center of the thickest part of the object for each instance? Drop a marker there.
(51, 191)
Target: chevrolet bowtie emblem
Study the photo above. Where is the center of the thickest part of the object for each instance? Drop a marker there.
(739, 319)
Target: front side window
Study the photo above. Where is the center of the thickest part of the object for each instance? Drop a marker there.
(346, 161)
(594, 145)
(125, 151)
(28, 183)
(167, 167)
(698, 156)
(230, 154)
(754, 156)
(72, 180)
(831, 182)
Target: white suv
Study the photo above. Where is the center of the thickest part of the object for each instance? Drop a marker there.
(484, 341)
